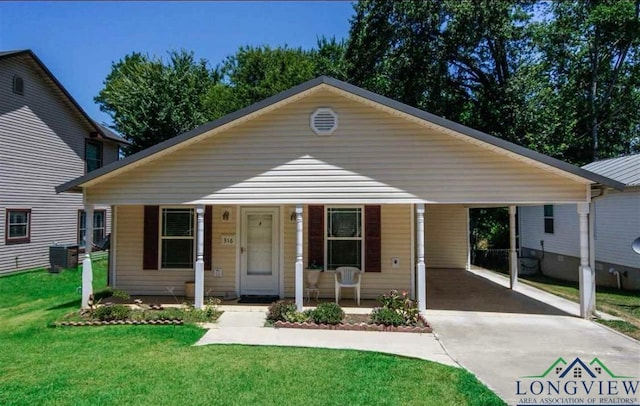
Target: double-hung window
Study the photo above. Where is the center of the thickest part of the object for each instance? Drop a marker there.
(548, 219)
(177, 238)
(99, 226)
(93, 155)
(18, 226)
(344, 242)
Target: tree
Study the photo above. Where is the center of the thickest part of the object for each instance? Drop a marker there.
(150, 100)
(256, 73)
(456, 59)
(589, 56)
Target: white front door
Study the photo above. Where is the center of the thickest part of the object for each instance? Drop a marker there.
(259, 251)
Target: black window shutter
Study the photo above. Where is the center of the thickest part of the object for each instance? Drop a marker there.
(372, 239)
(208, 236)
(151, 235)
(316, 235)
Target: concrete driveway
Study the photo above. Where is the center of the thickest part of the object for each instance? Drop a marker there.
(516, 336)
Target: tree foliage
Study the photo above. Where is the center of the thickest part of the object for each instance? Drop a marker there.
(589, 63)
(151, 100)
(253, 73)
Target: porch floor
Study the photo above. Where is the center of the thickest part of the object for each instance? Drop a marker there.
(447, 289)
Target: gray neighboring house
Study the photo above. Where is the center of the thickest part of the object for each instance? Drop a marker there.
(616, 225)
(45, 139)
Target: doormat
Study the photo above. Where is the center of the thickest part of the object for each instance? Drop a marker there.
(258, 299)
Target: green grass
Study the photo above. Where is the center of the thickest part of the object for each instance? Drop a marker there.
(157, 365)
(622, 303)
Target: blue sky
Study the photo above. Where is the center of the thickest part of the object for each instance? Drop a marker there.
(78, 41)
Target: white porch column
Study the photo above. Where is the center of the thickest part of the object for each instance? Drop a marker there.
(587, 285)
(298, 267)
(513, 254)
(87, 268)
(422, 278)
(199, 265)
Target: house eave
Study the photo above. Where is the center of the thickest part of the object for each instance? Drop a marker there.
(184, 139)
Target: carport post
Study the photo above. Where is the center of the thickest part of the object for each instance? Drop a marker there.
(87, 268)
(298, 267)
(422, 279)
(513, 254)
(198, 301)
(587, 285)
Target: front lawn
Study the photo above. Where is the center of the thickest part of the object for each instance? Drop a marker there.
(621, 303)
(157, 365)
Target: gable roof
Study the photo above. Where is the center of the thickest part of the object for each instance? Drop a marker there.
(103, 131)
(355, 91)
(624, 169)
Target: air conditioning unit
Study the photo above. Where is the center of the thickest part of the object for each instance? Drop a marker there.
(63, 257)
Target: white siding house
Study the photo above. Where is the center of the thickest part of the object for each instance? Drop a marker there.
(43, 136)
(243, 204)
(616, 219)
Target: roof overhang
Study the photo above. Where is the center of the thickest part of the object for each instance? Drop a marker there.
(384, 103)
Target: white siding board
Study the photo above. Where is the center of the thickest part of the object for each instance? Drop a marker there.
(566, 238)
(41, 146)
(617, 225)
(372, 157)
(446, 239)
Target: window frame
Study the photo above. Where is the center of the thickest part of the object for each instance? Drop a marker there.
(100, 161)
(81, 214)
(361, 238)
(17, 240)
(548, 221)
(18, 79)
(161, 238)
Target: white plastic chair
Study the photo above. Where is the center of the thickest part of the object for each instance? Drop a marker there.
(348, 277)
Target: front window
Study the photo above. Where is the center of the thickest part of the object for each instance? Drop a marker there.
(344, 237)
(93, 155)
(18, 224)
(177, 238)
(99, 226)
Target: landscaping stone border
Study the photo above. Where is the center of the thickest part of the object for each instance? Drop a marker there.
(176, 322)
(354, 327)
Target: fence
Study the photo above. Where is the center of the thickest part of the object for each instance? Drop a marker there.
(493, 259)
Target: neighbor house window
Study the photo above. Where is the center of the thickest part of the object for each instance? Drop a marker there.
(93, 155)
(18, 85)
(18, 226)
(177, 238)
(99, 226)
(344, 237)
(548, 219)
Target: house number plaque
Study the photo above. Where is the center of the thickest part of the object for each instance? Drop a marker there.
(228, 240)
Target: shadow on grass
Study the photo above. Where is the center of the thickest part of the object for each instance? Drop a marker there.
(74, 303)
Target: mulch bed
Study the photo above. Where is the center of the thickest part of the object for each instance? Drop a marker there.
(357, 322)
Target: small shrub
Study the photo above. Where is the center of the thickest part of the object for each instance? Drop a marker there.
(110, 313)
(386, 317)
(400, 303)
(326, 313)
(278, 310)
(120, 294)
(296, 317)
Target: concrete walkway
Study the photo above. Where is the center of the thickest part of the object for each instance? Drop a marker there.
(246, 327)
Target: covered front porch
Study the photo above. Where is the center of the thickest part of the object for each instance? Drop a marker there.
(408, 246)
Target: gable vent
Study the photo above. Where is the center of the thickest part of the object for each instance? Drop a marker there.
(324, 121)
